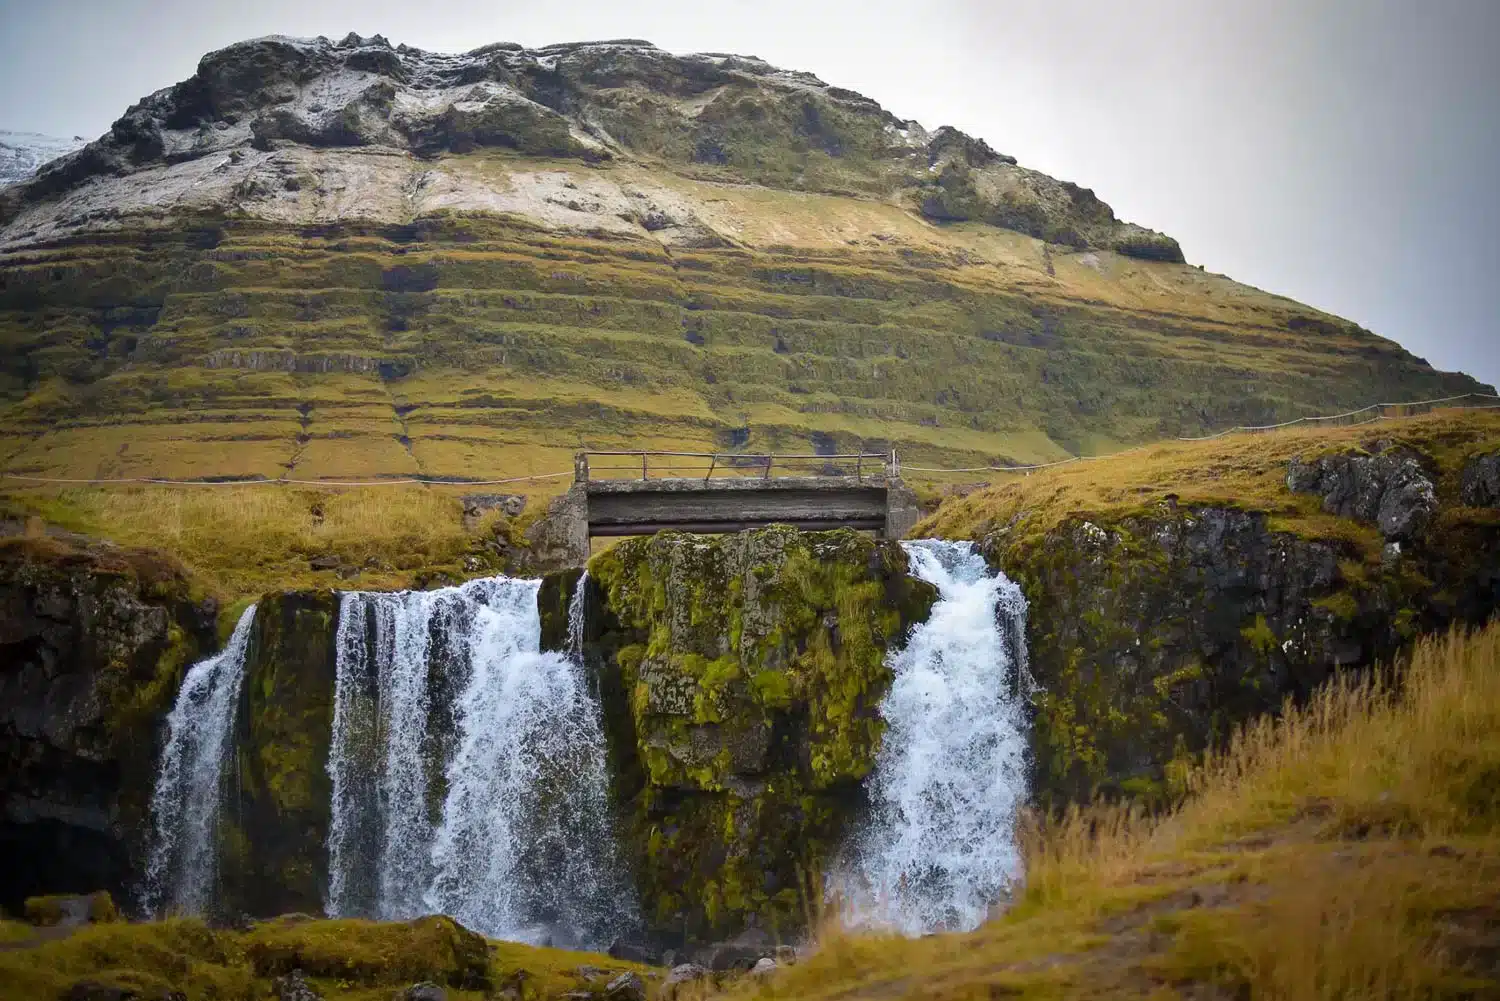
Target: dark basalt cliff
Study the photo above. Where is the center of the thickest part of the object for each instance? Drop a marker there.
(93, 643)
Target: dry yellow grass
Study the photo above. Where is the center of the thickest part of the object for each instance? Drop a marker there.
(243, 540)
(1240, 470)
(1349, 849)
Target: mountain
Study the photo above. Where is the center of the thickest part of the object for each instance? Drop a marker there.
(352, 259)
(23, 153)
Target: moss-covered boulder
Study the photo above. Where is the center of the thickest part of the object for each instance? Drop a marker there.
(92, 908)
(741, 676)
(275, 821)
(93, 643)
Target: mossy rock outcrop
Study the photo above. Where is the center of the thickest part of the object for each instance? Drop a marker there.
(93, 643)
(1154, 634)
(741, 676)
(275, 823)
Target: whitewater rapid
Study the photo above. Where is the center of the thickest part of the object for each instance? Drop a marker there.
(938, 849)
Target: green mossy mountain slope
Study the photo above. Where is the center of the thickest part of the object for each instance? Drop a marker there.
(278, 268)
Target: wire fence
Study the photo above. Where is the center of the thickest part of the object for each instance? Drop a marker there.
(725, 464)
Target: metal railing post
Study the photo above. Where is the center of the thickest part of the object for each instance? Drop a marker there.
(644, 474)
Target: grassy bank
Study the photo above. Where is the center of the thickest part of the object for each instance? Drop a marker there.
(1244, 471)
(343, 960)
(1349, 849)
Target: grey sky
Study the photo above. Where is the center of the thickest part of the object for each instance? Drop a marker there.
(1342, 152)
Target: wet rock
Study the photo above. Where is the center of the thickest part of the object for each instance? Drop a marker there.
(1390, 490)
(634, 952)
(294, 987)
(424, 991)
(731, 665)
(1480, 485)
(626, 987)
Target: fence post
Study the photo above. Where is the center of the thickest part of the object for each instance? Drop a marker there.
(644, 474)
(580, 467)
(714, 461)
(769, 458)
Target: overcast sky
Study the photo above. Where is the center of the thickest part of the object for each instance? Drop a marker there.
(1342, 152)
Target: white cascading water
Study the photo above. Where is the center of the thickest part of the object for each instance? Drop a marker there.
(939, 850)
(181, 865)
(469, 765)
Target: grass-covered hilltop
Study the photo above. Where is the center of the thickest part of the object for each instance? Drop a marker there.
(326, 259)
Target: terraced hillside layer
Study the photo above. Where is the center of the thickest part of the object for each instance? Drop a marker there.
(469, 347)
(325, 260)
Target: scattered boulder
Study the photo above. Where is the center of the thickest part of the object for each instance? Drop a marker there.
(626, 987)
(424, 991)
(325, 562)
(294, 987)
(476, 505)
(686, 973)
(1389, 489)
(1480, 486)
(764, 967)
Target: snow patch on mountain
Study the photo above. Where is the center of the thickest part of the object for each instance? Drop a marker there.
(22, 153)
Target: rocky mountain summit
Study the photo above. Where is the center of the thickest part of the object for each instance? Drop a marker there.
(317, 130)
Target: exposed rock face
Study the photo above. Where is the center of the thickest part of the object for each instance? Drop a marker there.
(1390, 490)
(1153, 636)
(225, 127)
(1481, 481)
(93, 641)
(741, 676)
(277, 805)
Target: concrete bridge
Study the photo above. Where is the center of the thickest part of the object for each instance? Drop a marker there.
(734, 492)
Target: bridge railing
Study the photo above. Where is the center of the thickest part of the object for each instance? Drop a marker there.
(637, 464)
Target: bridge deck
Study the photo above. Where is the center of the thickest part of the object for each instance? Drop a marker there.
(641, 507)
(869, 496)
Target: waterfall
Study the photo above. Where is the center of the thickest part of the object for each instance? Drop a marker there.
(939, 848)
(468, 769)
(182, 861)
(576, 613)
